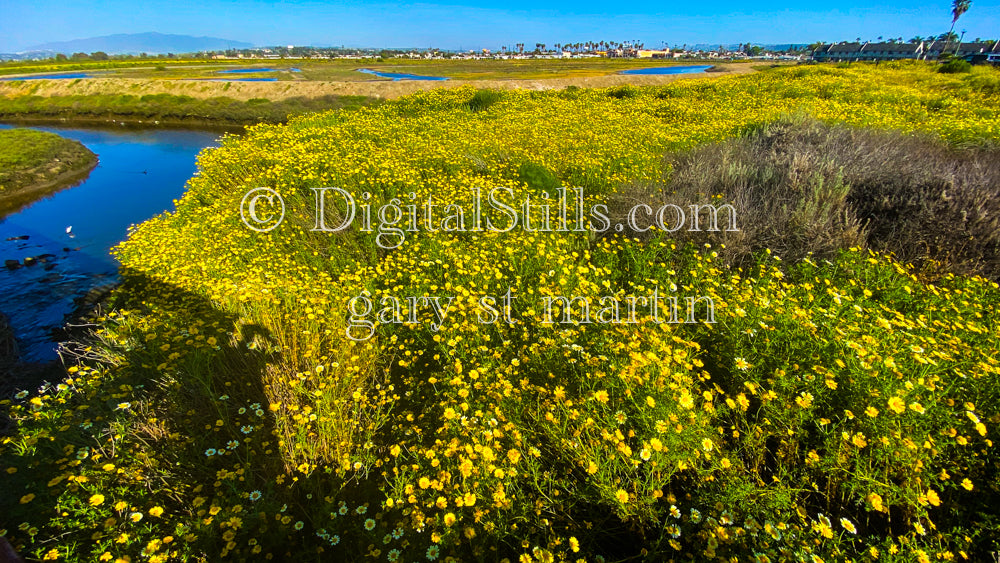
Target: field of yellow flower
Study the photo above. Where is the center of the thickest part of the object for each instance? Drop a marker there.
(836, 410)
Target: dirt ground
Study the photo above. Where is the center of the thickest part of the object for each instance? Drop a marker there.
(384, 89)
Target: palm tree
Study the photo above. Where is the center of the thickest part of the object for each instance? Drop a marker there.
(958, 7)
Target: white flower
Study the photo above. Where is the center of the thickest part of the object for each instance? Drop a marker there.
(848, 525)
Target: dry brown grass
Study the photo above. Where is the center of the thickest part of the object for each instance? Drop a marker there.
(802, 188)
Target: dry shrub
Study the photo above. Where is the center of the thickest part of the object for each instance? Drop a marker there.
(803, 187)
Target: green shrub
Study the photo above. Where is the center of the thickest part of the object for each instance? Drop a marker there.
(483, 99)
(623, 92)
(169, 107)
(539, 178)
(955, 66)
(938, 104)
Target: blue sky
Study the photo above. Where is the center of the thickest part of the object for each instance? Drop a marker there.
(453, 24)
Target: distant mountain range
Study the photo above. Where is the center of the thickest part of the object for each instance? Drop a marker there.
(134, 43)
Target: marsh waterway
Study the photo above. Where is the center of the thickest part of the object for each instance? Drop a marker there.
(689, 69)
(61, 244)
(54, 76)
(400, 75)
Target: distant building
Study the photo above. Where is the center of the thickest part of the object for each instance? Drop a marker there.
(869, 52)
(900, 51)
(653, 53)
(963, 50)
(893, 51)
(838, 52)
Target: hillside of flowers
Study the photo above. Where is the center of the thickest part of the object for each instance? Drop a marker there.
(836, 409)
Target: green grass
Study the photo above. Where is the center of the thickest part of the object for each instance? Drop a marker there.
(33, 162)
(27, 67)
(170, 108)
(22, 149)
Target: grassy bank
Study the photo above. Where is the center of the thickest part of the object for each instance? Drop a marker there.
(235, 404)
(170, 109)
(34, 164)
(31, 67)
